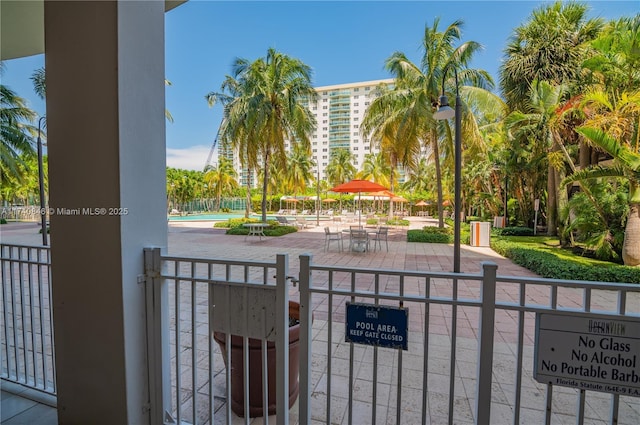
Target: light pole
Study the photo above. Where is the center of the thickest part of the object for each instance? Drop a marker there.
(318, 198)
(43, 212)
(445, 112)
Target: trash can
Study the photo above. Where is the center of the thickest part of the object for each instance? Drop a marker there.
(480, 233)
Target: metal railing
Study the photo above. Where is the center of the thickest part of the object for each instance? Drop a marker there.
(194, 304)
(470, 353)
(28, 355)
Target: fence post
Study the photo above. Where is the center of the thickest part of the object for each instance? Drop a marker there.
(157, 310)
(306, 318)
(282, 340)
(485, 348)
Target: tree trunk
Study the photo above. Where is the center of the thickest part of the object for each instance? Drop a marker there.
(265, 184)
(631, 244)
(552, 202)
(391, 199)
(248, 206)
(436, 159)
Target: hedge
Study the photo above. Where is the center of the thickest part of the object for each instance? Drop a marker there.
(273, 230)
(548, 265)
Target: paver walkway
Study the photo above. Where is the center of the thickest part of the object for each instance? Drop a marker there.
(200, 239)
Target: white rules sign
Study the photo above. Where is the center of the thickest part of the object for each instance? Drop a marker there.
(589, 352)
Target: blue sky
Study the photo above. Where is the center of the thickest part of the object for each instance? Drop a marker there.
(342, 41)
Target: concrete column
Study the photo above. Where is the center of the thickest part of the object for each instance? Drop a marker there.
(106, 145)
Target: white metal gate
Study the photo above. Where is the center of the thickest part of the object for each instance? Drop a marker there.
(188, 301)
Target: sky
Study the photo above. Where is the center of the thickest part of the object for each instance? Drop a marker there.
(342, 41)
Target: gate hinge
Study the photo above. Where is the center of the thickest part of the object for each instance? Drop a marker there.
(142, 278)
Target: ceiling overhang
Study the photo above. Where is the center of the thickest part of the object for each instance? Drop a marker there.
(22, 27)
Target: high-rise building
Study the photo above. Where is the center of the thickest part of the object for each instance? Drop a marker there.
(339, 111)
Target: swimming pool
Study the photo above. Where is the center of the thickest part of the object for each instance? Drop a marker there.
(213, 217)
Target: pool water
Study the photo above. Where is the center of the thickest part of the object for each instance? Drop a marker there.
(214, 217)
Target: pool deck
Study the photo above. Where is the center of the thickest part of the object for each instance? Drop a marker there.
(200, 239)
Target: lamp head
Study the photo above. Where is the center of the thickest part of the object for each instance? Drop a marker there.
(444, 111)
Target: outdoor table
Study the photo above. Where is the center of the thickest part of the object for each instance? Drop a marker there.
(359, 244)
(255, 229)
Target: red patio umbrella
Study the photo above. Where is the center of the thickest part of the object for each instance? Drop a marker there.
(358, 186)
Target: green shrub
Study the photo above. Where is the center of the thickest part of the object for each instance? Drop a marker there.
(372, 221)
(3, 221)
(398, 222)
(515, 231)
(548, 265)
(428, 236)
(235, 222)
(440, 230)
(273, 230)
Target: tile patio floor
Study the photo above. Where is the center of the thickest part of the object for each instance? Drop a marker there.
(198, 239)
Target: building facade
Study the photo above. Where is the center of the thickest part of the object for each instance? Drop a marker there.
(339, 111)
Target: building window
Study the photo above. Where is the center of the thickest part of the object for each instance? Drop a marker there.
(324, 129)
(315, 108)
(356, 126)
(324, 107)
(325, 114)
(315, 150)
(367, 88)
(366, 103)
(355, 133)
(356, 104)
(356, 111)
(324, 150)
(315, 136)
(355, 148)
(324, 157)
(355, 119)
(324, 121)
(324, 100)
(366, 147)
(356, 89)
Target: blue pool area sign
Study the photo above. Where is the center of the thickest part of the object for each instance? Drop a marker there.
(378, 325)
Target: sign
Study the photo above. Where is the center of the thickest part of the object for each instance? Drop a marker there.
(594, 352)
(378, 325)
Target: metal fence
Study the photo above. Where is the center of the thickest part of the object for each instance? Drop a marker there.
(470, 355)
(470, 352)
(28, 355)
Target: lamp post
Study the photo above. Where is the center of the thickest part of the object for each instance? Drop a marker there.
(445, 112)
(318, 198)
(43, 212)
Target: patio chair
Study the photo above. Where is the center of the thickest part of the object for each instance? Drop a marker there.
(379, 236)
(282, 220)
(304, 212)
(330, 236)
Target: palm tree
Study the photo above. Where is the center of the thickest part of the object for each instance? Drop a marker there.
(551, 47)
(375, 168)
(626, 165)
(16, 134)
(540, 124)
(266, 105)
(418, 88)
(298, 171)
(383, 121)
(221, 179)
(340, 168)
